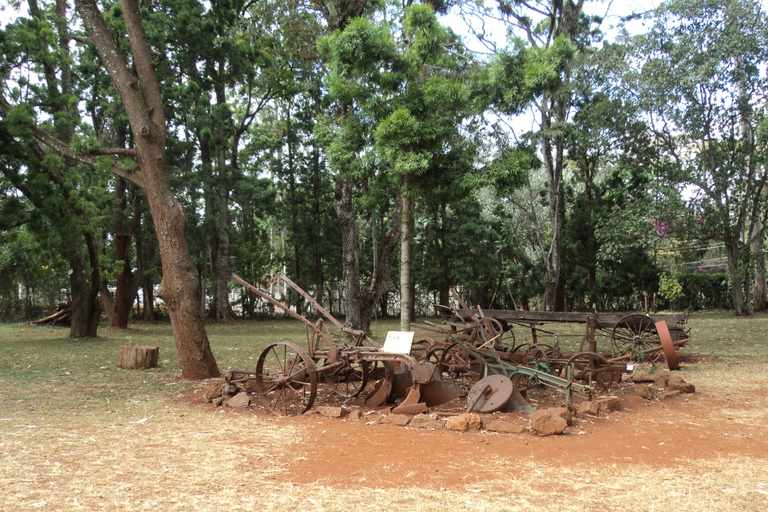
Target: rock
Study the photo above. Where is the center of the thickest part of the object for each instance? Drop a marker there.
(601, 406)
(547, 422)
(356, 414)
(505, 427)
(229, 390)
(609, 404)
(464, 422)
(330, 412)
(630, 401)
(677, 383)
(591, 408)
(564, 413)
(251, 386)
(218, 402)
(212, 391)
(239, 400)
(661, 380)
(432, 421)
(643, 378)
(646, 392)
(396, 419)
(671, 394)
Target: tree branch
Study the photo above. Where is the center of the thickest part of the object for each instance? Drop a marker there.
(143, 60)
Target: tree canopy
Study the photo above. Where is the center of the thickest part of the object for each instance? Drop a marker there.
(149, 149)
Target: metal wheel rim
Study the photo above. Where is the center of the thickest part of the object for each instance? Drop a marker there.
(591, 367)
(633, 334)
(286, 380)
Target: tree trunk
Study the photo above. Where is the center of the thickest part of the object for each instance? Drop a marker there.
(129, 356)
(381, 280)
(405, 258)
(344, 205)
(220, 277)
(221, 309)
(734, 271)
(124, 291)
(759, 289)
(146, 115)
(144, 257)
(553, 164)
(86, 310)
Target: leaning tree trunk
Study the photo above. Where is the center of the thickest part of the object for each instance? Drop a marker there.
(179, 287)
(146, 115)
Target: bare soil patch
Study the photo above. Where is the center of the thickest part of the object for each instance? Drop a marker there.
(667, 434)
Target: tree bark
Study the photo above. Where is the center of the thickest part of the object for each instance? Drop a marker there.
(146, 115)
(405, 258)
(129, 356)
(760, 288)
(344, 205)
(552, 151)
(732, 254)
(381, 280)
(124, 290)
(86, 310)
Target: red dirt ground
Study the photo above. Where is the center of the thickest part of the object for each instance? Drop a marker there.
(663, 434)
(658, 434)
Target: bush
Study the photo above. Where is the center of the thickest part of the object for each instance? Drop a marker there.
(702, 290)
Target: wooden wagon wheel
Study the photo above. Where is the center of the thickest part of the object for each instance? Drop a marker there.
(633, 334)
(286, 380)
(591, 367)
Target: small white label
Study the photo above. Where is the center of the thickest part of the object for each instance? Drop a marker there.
(398, 342)
(630, 367)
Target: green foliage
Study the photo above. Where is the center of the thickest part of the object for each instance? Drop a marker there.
(669, 287)
(702, 79)
(704, 290)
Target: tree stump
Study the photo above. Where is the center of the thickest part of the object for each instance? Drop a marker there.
(137, 356)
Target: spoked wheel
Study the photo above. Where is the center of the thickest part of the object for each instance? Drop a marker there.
(590, 367)
(633, 334)
(531, 353)
(349, 380)
(457, 365)
(492, 330)
(434, 354)
(420, 346)
(286, 381)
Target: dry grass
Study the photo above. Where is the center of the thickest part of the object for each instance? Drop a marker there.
(76, 433)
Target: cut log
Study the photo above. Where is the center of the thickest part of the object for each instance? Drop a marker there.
(137, 356)
(62, 316)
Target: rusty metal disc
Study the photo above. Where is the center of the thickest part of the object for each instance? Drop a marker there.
(490, 394)
(667, 345)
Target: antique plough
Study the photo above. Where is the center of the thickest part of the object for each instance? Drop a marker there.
(287, 376)
(468, 359)
(479, 345)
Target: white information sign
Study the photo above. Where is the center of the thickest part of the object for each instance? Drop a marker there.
(398, 342)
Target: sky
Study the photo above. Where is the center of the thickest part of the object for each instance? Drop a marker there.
(611, 8)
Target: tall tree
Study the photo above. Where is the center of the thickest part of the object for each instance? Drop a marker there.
(41, 44)
(703, 84)
(549, 24)
(143, 102)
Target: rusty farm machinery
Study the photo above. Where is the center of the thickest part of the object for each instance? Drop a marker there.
(467, 357)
